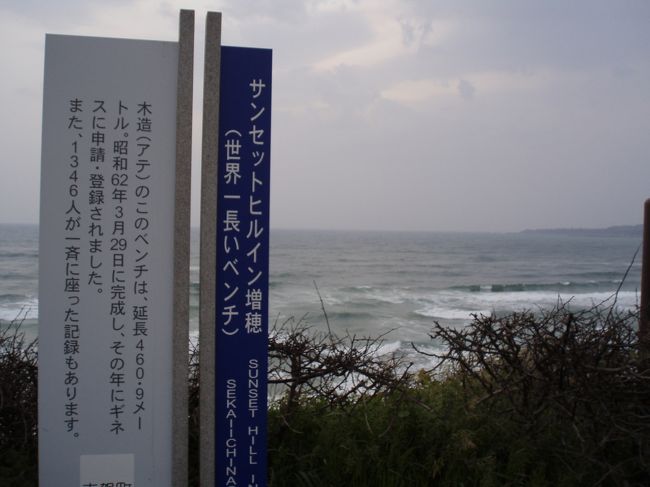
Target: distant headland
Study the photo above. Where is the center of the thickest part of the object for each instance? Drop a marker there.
(615, 231)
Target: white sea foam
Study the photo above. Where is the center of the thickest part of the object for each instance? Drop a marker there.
(23, 309)
(331, 300)
(527, 300)
(458, 305)
(485, 303)
(357, 294)
(389, 348)
(439, 312)
(390, 297)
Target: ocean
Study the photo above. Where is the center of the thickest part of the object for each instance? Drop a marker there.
(390, 283)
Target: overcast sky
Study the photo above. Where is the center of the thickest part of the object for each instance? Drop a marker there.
(396, 114)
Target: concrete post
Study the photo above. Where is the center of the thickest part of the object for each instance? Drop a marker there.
(182, 248)
(644, 322)
(207, 296)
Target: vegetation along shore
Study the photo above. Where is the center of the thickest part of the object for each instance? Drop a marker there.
(552, 398)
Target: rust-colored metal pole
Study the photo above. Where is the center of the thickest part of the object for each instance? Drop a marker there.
(644, 321)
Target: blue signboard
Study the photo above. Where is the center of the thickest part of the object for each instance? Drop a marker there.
(242, 266)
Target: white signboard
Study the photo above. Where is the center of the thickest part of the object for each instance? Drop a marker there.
(106, 261)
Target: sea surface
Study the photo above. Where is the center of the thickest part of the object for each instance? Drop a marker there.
(390, 283)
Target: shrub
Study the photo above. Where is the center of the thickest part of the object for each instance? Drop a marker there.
(18, 407)
(567, 387)
(556, 398)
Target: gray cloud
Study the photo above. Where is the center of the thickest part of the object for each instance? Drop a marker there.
(371, 125)
(466, 89)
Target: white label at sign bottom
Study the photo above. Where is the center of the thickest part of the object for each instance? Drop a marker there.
(116, 470)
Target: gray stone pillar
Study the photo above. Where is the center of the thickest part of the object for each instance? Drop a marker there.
(208, 245)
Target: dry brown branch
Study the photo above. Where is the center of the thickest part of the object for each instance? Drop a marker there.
(340, 371)
(579, 367)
